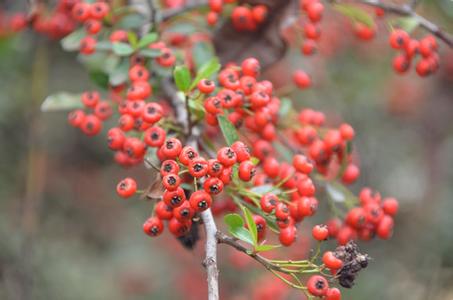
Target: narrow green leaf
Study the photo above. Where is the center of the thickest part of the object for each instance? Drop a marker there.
(206, 71)
(263, 189)
(356, 14)
(233, 220)
(408, 24)
(104, 46)
(131, 21)
(182, 78)
(236, 228)
(132, 38)
(201, 53)
(147, 39)
(197, 108)
(122, 49)
(72, 41)
(262, 248)
(229, 131)
(62, 101)
(251, 225)
(151, 53)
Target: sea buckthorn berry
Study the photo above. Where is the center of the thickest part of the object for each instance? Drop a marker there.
(206, 86)
(351, 173)
(333, 294)
(115, 138)
(174, 198)
(399, 39)
(198, 167)
(215, 168)
(187, 154)
(163, 211)
(317, 285)
(126, 187)
(227, 156)
(384, 229)
(171, 182)
(242, 151)
(281, 211)
(153, 226)
(138, 72)
(251, 67)
(184, 212)
(178, 228)
(213, 185)
(246, 170)
(268, 202)
(90, 99)
(99, 10)
(301, 163)
(301, 79)
(320, 232)
(91, 125)
(287, 235)
(171, 148)
(347, 132)
(390, 206)
(103, 110)
(331, 261)
(154, 136)
(88, 45)
(200, 201)
(76, 117)
(169, 167)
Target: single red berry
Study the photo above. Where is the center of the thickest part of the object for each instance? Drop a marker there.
(206, 86)
(215, 168)
(200, 201)
(198, 167)
(178, 228)
(281, 211)
(271, 167)
(138, 72)
(212, 18)
(390, 206)
(187, 154)
(347, 132)
(99, 10)
(399, 39)
(317, 285)
(308, 47)
(306, 188)
(301, 163)
(174, 198)
(126, 187)
(153, 226)
(171, 182)
(81, 11)
(259, 13)
(311, 31)
(320, 232)
(216, 5)
(242, 151)
(184, 212)
(134, 147)
(76, 117)
(90, 99)
(401, 63)
(364, 32)
(91, 125)
(115, 138)
(373, 213)
(260, 226)
(169, 167)
(384, 229)
(268, 202)
(227, 175)
(356, 217)
(154, 136)
(251, 67)
(88, 45)
(93, 26)
(333, 294)
(227, 156)
(163, 211)
(213, 185)
(103, 110)
(301, 79)
(331, 261)
(287, 236)
(314, 11)
(171, 148)
(246, 170)
(351, 173)
(308, 206)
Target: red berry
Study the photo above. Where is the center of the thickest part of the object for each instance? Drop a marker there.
(171, 182)
(399, 39)
(91, 125)
(200, 201)
(242, 151)
(268, 202)
(178, 228)
(184, 212)
(154, 136)
(138, 72)
(174, 198)
(134, 147)
(126, 187)
(301, 79)
(163, 211)
(251, 67)
(317, 285)
(213, 185)
(390, 206)
(320, 232)
(215, 168)
(384, 229)
(260, 226)
(314, 11)
(347, 132)
(401, 63)
(153, 226)
(103, 110)
(301, 164)
(331, 261)
(90, 99)
(76, 117)
(115, 138)
(246, 170)
(187, 154)
(171, 148)
(169, 167)
(152, 112)
(227, 156)
(333, 294)
(351, 173)
(198, 167)
(287, 236)
(206, 86)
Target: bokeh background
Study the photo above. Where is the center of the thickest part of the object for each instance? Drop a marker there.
(64, 234)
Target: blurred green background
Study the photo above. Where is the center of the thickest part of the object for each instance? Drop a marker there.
(64, 234)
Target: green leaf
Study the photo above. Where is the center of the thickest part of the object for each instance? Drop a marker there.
(72, 41)
(104, 46)
(206, 71)
(131, 21)
(197, 108)
(263, 189)
(151, 53)
(201, 52)
(408, 24)
(62, 101)
(285, 107)
(132, 38)
(355, 13)
(335, 192)
(262, 248)
(229, 131)
(120, 74)
(182, 78)
(100, 78)
(147, 39)
(251, 225)
(236, 228)
(255, 160)
(122, 49)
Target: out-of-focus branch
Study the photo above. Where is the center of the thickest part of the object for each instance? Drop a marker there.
(190, 5)
(407, 10)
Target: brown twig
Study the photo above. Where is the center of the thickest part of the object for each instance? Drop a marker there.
(407, 10)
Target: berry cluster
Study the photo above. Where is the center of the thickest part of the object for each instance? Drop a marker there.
(409, 48)
(243, 17)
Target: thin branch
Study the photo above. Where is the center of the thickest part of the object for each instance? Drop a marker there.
(210, 261)
(408, 11)
(152, 14)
